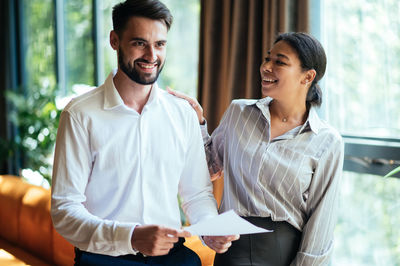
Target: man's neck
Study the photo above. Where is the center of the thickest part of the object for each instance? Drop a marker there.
(133, 94)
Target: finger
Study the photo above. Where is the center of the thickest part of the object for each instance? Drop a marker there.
(169, 90)
(217, 175)
(223, 246)
(170, 238)
(158, 252)
(235, 237)
(184, 233)
(217, 246)
(221, 240)
(178, 94)
(177, 233)
(169, 235)
(229, 238)
(221, 250)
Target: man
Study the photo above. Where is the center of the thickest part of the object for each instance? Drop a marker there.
(122, 156)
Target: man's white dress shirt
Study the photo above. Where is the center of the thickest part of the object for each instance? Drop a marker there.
(115, 168)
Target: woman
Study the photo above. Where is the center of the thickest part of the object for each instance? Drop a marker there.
(282, 164)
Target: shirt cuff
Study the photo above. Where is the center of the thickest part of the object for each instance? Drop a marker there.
(303, 258)
(204, 131)
(124, 233)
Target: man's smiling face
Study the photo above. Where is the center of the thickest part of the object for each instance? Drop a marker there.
(142, 49)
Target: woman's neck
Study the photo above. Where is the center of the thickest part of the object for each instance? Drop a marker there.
(291, 113)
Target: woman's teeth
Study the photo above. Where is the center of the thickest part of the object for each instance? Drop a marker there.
(269, 80)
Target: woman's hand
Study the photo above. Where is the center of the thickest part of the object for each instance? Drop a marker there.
(220, 244)
(193, 102)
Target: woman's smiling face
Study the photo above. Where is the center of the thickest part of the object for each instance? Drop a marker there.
(281, 72)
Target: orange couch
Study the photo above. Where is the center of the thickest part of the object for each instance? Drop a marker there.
(27, 236)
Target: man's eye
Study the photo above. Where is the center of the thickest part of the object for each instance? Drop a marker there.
(267, 59)
(138, 43)
(279, 62)
(161, 44)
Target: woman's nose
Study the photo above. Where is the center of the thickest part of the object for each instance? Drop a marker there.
(266, 66)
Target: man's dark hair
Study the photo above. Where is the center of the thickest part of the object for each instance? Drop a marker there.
(152, 9)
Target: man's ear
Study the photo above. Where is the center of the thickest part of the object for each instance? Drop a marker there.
(114, 40)
(309, 76)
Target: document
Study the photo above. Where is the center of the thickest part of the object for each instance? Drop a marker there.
(227, 223)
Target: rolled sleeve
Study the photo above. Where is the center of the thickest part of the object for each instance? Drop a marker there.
(317, 236)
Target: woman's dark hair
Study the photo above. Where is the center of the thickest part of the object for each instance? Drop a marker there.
(152, 9)
(312, 56)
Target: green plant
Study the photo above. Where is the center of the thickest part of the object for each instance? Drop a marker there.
(394, 171)
(35, 117)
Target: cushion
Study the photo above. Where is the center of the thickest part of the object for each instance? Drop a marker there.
(12, 190)
(35, 225)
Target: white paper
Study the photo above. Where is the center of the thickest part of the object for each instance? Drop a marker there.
(227, 223)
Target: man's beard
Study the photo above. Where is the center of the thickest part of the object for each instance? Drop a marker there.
(136, 76)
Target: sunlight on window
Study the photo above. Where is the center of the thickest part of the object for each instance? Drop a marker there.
(79, 43)
(39, 44)
(362, 40)
(368, 231)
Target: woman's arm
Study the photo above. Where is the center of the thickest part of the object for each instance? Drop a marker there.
(317, 236)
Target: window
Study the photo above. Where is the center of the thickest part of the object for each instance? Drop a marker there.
(37, 49)
(368, 231)
(180, 72)
(361, 91)
(362, 39)
(79, 43)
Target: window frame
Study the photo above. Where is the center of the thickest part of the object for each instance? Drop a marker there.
(368, 155)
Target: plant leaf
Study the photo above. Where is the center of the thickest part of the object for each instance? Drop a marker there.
(394, 171)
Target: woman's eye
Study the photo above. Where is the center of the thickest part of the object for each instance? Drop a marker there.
(279, 62)
(267, 59)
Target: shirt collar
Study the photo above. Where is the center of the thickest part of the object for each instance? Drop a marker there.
(313, 121)
(263, 105)
(112, 99)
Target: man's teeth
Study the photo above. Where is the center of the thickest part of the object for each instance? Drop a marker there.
(147, 66)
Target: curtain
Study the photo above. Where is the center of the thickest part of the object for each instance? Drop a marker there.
(3, 79)
(234, 38)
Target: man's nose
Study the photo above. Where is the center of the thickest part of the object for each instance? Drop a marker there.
(150, 54)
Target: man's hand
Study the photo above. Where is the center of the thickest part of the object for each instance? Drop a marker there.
(220, 244)
(154, 240)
